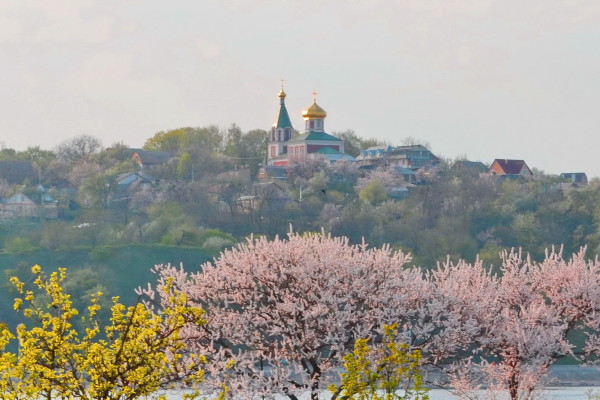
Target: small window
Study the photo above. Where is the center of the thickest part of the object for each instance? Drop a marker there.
(312, 124)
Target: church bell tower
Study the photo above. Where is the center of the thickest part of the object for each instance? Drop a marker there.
(281, 131)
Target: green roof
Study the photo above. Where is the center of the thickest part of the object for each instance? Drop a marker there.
(312, 135)
(283, 118)
(327, 150)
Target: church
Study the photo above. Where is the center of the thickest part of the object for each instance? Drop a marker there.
(285, 145)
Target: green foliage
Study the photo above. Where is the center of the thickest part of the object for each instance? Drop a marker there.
(184, 167)
(18, 245)
(373, 193)
(100, 254)
(166, 141)
(96, 189)
(390, 372)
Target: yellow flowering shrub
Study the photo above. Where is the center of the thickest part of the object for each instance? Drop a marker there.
(388, 372)
(135, 355)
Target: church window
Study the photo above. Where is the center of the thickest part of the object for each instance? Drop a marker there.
(312, 124)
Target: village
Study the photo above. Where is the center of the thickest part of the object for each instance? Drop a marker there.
(414, 164)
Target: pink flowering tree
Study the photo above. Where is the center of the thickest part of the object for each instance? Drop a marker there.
(522, 321)
(281, 314)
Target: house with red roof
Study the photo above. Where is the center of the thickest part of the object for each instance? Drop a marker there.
(513, 168)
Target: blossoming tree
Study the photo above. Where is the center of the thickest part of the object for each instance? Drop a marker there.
(133, 356)
(287, 310)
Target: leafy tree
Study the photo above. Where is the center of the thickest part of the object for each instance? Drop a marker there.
(95, 190)
(208, 139)
(373, 193)
(131, 357)
(7, 153)
(353, 144)
(185, 167)
(254, 148)
(37, 154)
(166, 141)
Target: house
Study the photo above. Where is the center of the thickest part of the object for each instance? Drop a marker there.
(265, 195)
(148, 160)
(510, 168)
(272, 172)
(17, 171)
(412, 157)
(20, 205)
(475, 167)
(285, 145)
(131, 182)
(578, 178)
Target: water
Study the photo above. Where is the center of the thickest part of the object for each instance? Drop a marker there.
(552, 393)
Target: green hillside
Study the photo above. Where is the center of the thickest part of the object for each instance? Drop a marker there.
(117, 269)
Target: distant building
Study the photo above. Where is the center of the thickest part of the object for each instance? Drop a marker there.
(148, 160)
(19, 205)
(17, 171)
(285, 146)
(411, 157)
(510, 168)
(579, 178)
(470, 166)
(129, 183)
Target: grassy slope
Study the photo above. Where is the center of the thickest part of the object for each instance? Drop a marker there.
(124, 268)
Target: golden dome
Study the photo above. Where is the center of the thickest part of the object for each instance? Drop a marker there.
(314, 111)
(281, 94)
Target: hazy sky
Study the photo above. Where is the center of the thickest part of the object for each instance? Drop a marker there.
(486, 79)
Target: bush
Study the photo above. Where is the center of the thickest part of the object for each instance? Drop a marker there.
(18, 245)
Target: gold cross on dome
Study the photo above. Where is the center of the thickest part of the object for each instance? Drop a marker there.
(314, 93)
(282, 80)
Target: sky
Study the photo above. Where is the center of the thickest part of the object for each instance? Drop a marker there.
(479, 79)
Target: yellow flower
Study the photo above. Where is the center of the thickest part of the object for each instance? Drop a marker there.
(36, 269)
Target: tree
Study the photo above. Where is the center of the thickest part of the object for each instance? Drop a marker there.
(166, 141)
(185, 167)
(353, 144)
(131, 357)
(287, 310)
(300, 172)
(95, 190)
(518, 323)
(373, 193)
(233, 141)
(77, 148)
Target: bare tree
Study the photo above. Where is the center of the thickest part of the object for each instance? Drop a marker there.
(78, 148)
